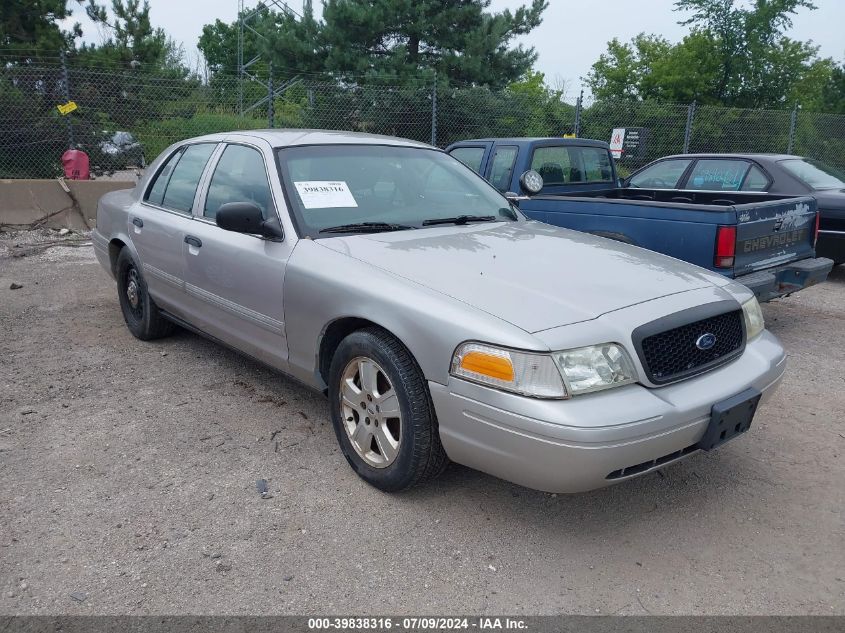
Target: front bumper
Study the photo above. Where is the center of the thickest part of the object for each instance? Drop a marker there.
(597, 439)
(784, 280)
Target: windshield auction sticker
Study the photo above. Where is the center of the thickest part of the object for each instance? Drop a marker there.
(325, 194)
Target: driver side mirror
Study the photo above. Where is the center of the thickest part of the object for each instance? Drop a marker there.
(246, 217)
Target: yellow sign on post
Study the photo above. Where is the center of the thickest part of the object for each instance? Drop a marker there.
(569, 136)
(67, 108)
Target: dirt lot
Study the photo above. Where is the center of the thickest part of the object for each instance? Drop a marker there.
(128, 470)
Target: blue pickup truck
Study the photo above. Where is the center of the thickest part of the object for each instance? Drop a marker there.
(764, 241)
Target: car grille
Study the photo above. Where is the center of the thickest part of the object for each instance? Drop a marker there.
(673, 354)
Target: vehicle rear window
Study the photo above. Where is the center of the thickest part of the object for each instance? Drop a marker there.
(814, 174)
(469, 156)
(185, 178)
(563, 164)
(155, 194)
(718, 175)
(662, 175)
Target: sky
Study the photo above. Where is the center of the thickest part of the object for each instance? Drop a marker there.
(573, 34)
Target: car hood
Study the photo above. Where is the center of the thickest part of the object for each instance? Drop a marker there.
(532, 275)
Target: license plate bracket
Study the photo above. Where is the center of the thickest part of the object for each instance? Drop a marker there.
(730, 418)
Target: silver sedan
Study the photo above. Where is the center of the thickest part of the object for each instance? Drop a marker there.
(440, 322)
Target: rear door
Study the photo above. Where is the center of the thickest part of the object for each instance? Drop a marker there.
(160, 221)
(774, 233)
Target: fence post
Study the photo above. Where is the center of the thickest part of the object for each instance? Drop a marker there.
(579, 104)
(793, 121)
(270, 113)
(66, 91)
(434, 110)
(688, 130)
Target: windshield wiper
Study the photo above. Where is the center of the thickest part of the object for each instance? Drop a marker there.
(366, 227)
(461, 219)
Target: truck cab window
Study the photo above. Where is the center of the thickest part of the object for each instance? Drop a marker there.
(469, 156)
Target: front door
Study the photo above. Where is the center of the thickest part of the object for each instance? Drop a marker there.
(234, 281)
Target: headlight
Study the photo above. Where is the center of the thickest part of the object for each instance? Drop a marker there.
(595, 368)
(754, 323)
(557, 375)
(520, 372)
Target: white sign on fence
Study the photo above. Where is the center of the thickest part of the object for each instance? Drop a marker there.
(617, 142)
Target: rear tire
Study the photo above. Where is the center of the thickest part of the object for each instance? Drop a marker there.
(140, 312)
(382, 412)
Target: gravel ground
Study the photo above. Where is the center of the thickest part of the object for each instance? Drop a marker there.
(128, 486)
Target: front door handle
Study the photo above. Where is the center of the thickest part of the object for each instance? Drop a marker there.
(193, 241)
(138, 222)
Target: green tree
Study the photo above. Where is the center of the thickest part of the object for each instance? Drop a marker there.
(397, 40)
(133, 41)
(29, 29)
(736, 54)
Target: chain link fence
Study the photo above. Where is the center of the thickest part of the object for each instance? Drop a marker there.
(125, 117)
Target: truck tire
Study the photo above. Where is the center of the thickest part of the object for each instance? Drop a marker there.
(382, 412)
(140, 312)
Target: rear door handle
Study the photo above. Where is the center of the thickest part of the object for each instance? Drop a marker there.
(193, 241)
(138, 222)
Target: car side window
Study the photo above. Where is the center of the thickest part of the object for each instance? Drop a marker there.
(717, 175)
(469, 156)
(240, 176)
(183, 182)
(502, 168)
(662, 175)
(756, 180)
(155, 194)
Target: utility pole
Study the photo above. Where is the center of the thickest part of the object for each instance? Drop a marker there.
(270, 97)
(793, 122)
(688, 129)
(434, 110)
(66, 91)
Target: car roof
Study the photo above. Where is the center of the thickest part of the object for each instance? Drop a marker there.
(524, 140)
(294, 137)
(758, 156)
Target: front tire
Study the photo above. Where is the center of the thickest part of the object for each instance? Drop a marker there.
(382, 412)
(140, 312)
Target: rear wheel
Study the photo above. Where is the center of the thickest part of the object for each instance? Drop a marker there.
(382, 412)
(140, 312)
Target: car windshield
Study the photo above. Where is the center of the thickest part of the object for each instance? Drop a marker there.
(370, 188)
(814, 174)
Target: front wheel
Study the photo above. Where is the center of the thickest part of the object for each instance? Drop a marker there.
(139, 310)
(382, 412)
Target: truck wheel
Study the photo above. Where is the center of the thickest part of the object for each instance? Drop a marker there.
(140, 312)
(382, 412)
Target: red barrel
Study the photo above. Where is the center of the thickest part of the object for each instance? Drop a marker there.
(75, 163)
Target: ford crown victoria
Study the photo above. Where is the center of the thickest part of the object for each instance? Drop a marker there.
(441, 323)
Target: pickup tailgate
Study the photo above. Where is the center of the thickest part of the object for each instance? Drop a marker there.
(774, 233)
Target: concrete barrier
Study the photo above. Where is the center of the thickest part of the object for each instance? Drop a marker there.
(53, 203)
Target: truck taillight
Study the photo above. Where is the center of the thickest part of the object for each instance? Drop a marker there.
(816, 232)
(725, 247)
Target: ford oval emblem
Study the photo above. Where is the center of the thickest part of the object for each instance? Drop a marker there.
(706, 341)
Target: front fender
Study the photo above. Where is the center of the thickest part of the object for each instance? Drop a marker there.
(323, 285)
